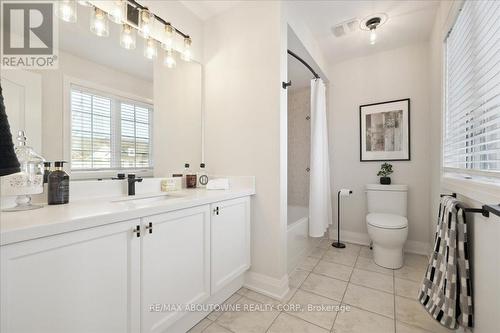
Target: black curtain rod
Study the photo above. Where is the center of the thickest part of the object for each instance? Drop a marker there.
(304, 63)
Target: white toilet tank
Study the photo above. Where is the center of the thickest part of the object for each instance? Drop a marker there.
(389, 199)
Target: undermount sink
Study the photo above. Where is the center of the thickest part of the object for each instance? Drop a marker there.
(147, 199)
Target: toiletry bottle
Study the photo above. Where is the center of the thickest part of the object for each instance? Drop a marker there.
(46, 171)
(191, 178)
(58, 184)
(202, 176)
(184, 175)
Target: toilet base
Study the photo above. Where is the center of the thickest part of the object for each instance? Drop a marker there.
(388, 257)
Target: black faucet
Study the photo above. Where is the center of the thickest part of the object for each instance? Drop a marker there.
(131, 183)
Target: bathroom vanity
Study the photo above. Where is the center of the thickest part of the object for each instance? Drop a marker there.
(121, 265)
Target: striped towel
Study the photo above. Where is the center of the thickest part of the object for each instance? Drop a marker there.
(446, 292)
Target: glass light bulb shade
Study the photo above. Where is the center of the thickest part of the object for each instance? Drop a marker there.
(84, 3)
(99, 23)
(373, 36)
(186, 53)
(146, 22)
(169, 59)
(150, 49)
(168, 37)
(117, 13)
(66, 10)
(128, 37)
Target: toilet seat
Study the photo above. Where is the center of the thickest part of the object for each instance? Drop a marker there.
(386, 221)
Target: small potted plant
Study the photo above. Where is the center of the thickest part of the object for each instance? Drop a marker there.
(385, 171)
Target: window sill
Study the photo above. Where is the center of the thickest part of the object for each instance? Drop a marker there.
(107, 174)
(481, 189)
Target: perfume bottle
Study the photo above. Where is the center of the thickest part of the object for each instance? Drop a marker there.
(58, 185)
(28, 181)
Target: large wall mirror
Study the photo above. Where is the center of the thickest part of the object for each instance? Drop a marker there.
(108, 109)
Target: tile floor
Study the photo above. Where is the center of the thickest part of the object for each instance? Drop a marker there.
(381, 300)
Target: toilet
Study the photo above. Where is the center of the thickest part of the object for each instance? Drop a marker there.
(387, 223)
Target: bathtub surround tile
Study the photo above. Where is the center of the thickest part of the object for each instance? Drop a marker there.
(370, 299)
(411, 312)
(373, 280)
(370, 265)
(247, 321)
(407, 288)
(337, 271)
(231, 300)
(340, 258)
(322, 318)
(297, 277)
(365, 252)
(289, 324)
(360, 321)
(410, 273)
(324, 286)
(308, 263)
(404, 328)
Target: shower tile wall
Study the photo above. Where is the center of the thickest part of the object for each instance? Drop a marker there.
(299, 136)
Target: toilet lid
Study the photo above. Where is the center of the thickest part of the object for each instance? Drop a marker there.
(386, 221)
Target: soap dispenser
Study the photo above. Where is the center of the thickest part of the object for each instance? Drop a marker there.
(58, 185)
(202, 176)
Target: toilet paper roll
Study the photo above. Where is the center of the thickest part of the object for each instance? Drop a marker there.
(345, 192)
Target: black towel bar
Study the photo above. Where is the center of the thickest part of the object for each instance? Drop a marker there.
(485, 210)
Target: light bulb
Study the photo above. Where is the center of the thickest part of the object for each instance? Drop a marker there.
(169, 59)
(373, 36)
(127, 37)
(186, 53)
(150, 51)
(66, 10)
(98, 23)
(146, 22)
(168, 37)
(117, 13)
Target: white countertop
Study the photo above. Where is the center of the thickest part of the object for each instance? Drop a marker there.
(82, 214)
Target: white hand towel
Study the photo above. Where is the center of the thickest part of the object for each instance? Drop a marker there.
(218, 184)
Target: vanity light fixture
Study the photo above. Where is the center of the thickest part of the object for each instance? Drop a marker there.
(186, 53)
(117, 13)
(127, 37)
(99, 23)
(169, 59)
(168, 37)
(150, 50)
(66, 10)
(146, 22)
(84, 3)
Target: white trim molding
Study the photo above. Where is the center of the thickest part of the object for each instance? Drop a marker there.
(264, 284)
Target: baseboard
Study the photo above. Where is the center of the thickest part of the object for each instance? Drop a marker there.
(269, 286)
(361, 238)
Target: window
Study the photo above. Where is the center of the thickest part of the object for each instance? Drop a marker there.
(109, 132)
(472, 116)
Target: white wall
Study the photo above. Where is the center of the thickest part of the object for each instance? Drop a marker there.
(243, 67)
(390, 75)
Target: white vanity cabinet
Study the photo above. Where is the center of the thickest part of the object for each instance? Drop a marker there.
(230, 233)
(82, 281)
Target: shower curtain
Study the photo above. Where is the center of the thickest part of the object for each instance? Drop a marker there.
(320, 203)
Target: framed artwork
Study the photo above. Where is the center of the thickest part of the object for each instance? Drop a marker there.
(385, 131)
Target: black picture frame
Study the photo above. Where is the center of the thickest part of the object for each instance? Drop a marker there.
(408, 131)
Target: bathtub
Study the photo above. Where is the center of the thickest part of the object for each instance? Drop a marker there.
(299, 244)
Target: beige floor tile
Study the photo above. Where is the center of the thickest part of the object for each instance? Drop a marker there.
(216, 328)
(416, 260)
(289, 295)
(261, 298)
(317, 252)
(372, 280)
(407, 288)
(411, 312)
(231, 300)
(325, 243)
(201, 326)
(410, 273)
(308, 263)
(369, 265)
(297, 277)
(339, 258)
(315, 315)
(370, 299)
(338, 271)
(242, 291)
(360, 321)
(324, 286)
(289, 324)
(350, 249)
(365, 252)
(247, 321)
(403, 328)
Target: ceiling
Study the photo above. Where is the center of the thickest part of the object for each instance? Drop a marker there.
(408, 22)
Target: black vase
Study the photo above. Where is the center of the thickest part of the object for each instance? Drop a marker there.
(385, 180)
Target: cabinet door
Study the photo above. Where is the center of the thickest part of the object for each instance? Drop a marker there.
(175, 265)
(82, 281)
(230, 234)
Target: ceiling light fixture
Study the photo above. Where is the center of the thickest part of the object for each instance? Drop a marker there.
(372, 24)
